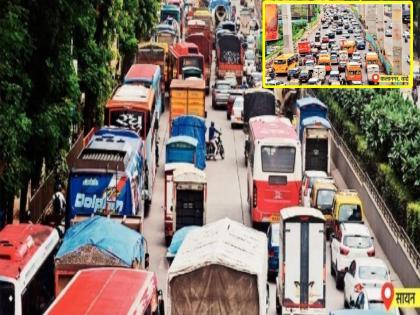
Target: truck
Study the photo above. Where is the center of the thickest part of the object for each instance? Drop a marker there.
(304, 47)
(187, 98)
(223, 254)
(230, 56)
(205, 47)
(373, 73)
(156, 54)
(200, 26)
(220, 9)
(98, 242)
(300, 285)
(107, 178)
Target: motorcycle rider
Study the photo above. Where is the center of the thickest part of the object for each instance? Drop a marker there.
(213, 138)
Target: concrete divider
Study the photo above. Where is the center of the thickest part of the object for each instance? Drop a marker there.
(395, 243)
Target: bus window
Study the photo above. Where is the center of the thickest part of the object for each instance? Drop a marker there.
(278, 159)
(7, 298)
(128, 119)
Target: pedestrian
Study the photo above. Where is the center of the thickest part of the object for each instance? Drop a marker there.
(59, 201)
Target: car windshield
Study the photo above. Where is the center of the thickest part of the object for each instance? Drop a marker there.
(350, 212)
(223, 86)
(357, 241)
(7, 298)
(325, 198)
(373, 273)
(277, 159)
(280, 62)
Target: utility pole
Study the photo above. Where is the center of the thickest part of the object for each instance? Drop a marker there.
(287, 28)
(397, 39)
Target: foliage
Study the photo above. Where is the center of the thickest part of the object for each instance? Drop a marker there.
(413, 222)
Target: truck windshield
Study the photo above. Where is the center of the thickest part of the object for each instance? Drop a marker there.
(325, 199)
(7, 298)
(350, 212)
(275, 159)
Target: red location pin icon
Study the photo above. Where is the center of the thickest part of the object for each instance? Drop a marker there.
(387, 293)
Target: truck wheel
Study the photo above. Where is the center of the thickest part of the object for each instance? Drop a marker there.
(246, 162)
(279, 309)
(168, 240)
(332, 271)
(339, 281)
(146, 207)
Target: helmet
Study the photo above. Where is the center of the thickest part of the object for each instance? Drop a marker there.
(212, 124)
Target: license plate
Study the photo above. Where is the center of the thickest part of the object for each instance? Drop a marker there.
(275, 218)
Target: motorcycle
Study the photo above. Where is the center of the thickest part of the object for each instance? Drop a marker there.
(210, 149)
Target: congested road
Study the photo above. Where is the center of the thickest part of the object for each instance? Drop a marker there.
(227, 197)
(331, 31)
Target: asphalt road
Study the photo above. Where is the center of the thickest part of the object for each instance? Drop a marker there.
(227, 197)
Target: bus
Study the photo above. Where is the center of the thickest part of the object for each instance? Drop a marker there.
(183, 55)
(150, 76)
(353, 72)
(350, 46)
(27, 268)
(284, 63)
(274, 169)
(133, 107)
(108, 291)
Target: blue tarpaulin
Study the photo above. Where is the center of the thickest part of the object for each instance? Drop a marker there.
(194, 127)
(309, 107)
(213, 4)
(106, 235)
(181, 149)
(179, 237)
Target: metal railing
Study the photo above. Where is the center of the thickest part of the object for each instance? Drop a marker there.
(397, 231)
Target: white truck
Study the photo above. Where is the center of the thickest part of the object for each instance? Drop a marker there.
(373, 69)
(300, 285)
(319, 72)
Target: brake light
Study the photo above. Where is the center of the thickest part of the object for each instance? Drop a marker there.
(254, 196)
(344, 250)
(358, 287)
(371, 252)
(271, 253)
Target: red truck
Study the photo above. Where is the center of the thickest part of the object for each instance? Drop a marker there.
(205, 48)
(304, 47)
(230, 56)
(200, 26)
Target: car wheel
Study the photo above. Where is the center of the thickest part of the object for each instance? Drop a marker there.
(279, 308)
(339, 281)
(346, 304)
(332, 270)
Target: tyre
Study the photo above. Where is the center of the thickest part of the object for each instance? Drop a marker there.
(168, 240)
(332, 270)
(279, 309)
(346, 304)
(232, 125)
(227, 116)
(222, 152)
(339, 280)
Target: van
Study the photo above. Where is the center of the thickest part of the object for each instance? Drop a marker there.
(319, 72)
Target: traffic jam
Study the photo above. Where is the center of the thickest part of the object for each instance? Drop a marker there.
(155, 160)
(335, 52)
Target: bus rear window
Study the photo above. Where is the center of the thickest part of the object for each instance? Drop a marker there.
(7, 298)
(275, 159)
(128, 119)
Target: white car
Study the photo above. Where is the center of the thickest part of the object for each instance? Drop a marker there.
(309, 65)
(237, 109)
(366, 272)
(388, 33)
(309, 177)
(355, 241)
(250, 40)
(371, 299)
(249, 65)
(314, 81)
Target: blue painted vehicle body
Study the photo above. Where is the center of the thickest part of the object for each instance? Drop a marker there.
(182, 149)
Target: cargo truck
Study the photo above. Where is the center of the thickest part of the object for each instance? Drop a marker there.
(230, 55)
(187, 98)
(300, 287)
(304, 47)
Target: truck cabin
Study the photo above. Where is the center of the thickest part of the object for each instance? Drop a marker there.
(170, 10)
(166, 36)
(185, 55)
(191, 72)
(181, 149)
(372, 58)
(153, 53)
(305, 108)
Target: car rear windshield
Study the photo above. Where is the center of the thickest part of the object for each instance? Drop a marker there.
(223, 86)
(276, 159)
(373, 273)
(356, 241)
(325, 198)
(350, 212)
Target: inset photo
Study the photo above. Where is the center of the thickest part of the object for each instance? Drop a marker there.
(339, 44)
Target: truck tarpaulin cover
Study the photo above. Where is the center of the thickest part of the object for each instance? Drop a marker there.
(108, 236)
(224, 254)
(230, 49)
(94, 193)
(194, 127)
(181, 149)
(271, 22)
(257, 103)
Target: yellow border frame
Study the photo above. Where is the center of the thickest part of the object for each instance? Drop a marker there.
(300, 2)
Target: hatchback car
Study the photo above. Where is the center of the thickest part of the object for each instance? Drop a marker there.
(363, 273)
(236, 115)
(361, 45)
(304, 76)
(355, 241)
(293, 73)
(273, 235)
(220, 93)
(309, 177)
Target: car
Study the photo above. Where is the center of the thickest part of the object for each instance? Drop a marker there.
(309, 65)
(324, 26)
(350, 30)
(249, 65)
(346, 26)
(390, 26)
(355, 241)
(371, 299)
(309, 177)
(237, 109)
(339, 30)
(274, 82)
(334, 59)
(250, 41)
(220, 93)
(361, 45)
(364, 272)
(388, 33)
(346, 35)
(325, 39)
(293, 73)
(304, 76)
(273, 236)
(314, 81)
(231, 99)
(331, 35)
(324, 46)
(334, 78)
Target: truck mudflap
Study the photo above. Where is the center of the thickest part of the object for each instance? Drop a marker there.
(133, 222)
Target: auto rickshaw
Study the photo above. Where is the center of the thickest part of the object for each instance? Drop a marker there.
(347, 207)
(321, 197)
(185, 197)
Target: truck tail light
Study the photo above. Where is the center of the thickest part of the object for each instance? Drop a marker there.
(271, 253)
(254, 195)
(371, 252)
(344, 250)
(358, 287)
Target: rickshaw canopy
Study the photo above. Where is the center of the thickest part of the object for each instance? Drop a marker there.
(181, 149)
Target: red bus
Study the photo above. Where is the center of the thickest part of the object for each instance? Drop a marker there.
(109, 291)
(183, 55)
(274, 168)
(27, 268)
